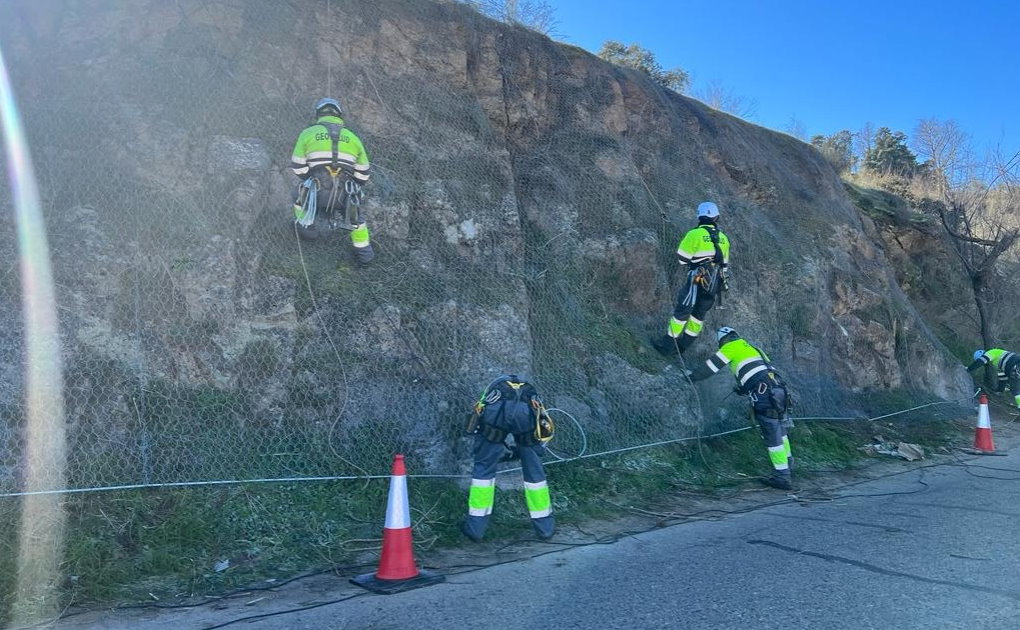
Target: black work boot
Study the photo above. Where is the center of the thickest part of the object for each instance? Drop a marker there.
(780, 480)
(684, 342)
(364, 255)
(467, 531)
(664, 344)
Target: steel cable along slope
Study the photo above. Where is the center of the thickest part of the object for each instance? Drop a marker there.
(203, 346)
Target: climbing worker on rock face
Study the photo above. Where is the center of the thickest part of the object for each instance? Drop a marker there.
(333, 165)
(770, 400)
(509, 406)
(1007, 366)
(706, 252)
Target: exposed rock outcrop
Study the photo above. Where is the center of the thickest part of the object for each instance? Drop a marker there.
(525, 202)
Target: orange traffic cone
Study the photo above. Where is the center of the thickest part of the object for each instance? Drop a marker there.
(983, 444)
(397, 571)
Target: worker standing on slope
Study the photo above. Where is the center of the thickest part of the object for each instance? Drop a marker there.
(706, 252)
(770, 400)
(1007, 366)
(509, 406)
(333, 165)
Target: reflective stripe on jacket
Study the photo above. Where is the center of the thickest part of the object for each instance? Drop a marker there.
(745, 362)
(999, 358)
(314, 147)
(696, 246)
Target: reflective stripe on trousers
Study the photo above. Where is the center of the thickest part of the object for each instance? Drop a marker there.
(481, 496)
(676, 327)
(360, 236)
(694, 326)
(779, 458)
(776, 440)
(536, 495)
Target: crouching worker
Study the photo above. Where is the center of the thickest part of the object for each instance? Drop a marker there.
(1007, 369)
(509, 406)
(770, 400)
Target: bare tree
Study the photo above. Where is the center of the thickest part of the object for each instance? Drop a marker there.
(864, 141)
(980, 221)
(945, 150)
(796, 128)
(538, 15)
(716, 96)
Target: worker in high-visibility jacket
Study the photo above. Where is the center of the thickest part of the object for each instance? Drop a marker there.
(758, 379)
(509, 406)
(1007, 369)
(332, 159)
(705, 250)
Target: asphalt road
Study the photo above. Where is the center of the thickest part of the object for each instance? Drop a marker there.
(936, 547)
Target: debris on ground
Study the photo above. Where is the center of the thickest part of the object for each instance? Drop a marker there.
(906, 450)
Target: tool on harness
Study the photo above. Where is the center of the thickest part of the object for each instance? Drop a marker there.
(702, 278)
(308, 202)
(350, 191)
(716, 275)
(544, 425)
(778, 405)
(471, 426)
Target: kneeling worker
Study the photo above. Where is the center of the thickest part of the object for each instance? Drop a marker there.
(509, 406)
(769, 398)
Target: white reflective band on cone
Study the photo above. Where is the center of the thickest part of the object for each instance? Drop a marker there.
(984, 421)
(398, 510)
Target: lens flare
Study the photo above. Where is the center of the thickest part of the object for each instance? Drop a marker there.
(42, 518)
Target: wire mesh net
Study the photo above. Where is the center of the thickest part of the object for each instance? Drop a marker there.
(525, 202)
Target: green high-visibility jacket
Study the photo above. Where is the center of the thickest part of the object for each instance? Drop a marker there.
(1000, 359)
(745, 362)
(314, 148)
(696, 246)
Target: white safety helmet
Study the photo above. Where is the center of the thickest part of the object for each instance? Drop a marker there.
(978, 354)
(722, 332)
(328, 106)
(708, 209)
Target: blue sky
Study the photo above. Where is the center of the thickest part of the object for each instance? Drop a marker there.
(832, 65)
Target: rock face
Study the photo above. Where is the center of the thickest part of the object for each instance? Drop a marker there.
(525, 203)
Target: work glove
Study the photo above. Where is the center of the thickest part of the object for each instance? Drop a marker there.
(510, 454)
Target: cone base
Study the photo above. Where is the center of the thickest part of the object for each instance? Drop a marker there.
(978, 451)
(388, 587)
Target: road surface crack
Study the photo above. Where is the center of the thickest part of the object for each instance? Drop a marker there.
(888, 572)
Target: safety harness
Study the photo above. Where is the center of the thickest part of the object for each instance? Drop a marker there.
(503, 391)
(706, 275)
(767, 386)
(352, 189)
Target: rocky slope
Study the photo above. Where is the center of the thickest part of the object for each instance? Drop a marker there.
(526, 199)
